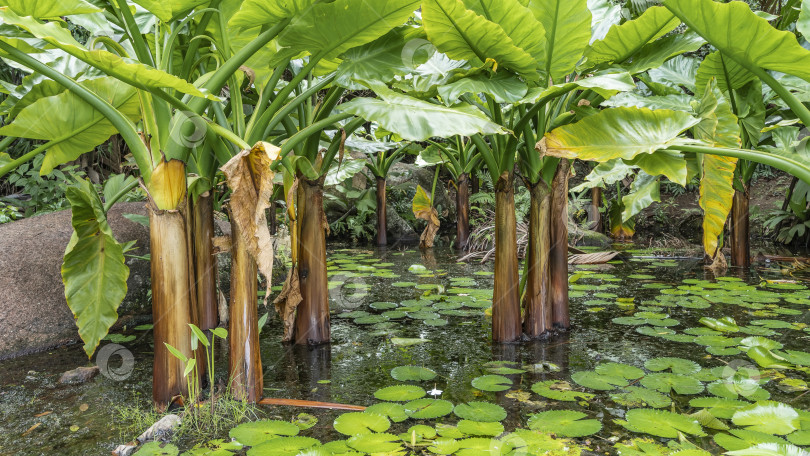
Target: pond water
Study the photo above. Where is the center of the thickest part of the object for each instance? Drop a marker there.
(643, 313)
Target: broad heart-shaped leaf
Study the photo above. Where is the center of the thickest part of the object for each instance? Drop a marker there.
(770, 449)
(568, 32)
(661, 423)
(503, 87)
(492, 383)
(254, 13)
(165, 10)
(678, 71)
(622, 41)
(94, 270)
(132, 72)
(464, 35)
(617, 133)
(728, 73)
(630, 99)
(480, 411)
(653, 55)
(330, 29)
(50, 8)
(768, 416)
(803, 23)
(384, 58)
(605, 174)
(643, 192)
(668, 163)
(354, 423)
(75, 125)
(417, 120)
(256, 432)
(606, 85)
(743, 36)
(567, 423)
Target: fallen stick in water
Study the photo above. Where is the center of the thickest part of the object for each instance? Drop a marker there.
(310, 404)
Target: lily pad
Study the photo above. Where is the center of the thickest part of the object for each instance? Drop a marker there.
(740, 439)
(480, 411)
(559, 390)
(375, 443)
(428, 409)
(661, 423)
(619, 370)
(354, 423)
(492, 383)
(769, 417)
(399, 393)
(593, 380)
(412, 373)
(256, 432)
(676, 365)
(666, 382)
(635, 396)
(567, 423)
(491, 428)
(283, 446)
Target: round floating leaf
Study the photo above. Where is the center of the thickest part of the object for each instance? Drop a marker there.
(256, 432)
(436, 322)
(421, 431)
(492, 383)
(740, 439)
(593, 380)
(283, 446)
(676, 365)
(480, 411)
(768, 416)
(480, 428)
(559, 390)
(375, 443)
(412, 373)
(480, 446)
(393, 411)
(399, 393)
(506, 370)
(799, 438)
(620, 370)
(634, 396)
(383, 305)
(567, 423)
(661, 423)
(444, 445)
(354, 423)
(427, 409)
(718, 406)
(770, 449)
(666, 382)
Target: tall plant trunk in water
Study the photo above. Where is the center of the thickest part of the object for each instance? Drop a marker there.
(171, 300)
(382, 224)
(312, 317)
(244, 362)
(738, 227)
(506, 297)
(594, 216)
(462, 211)
(559, 246)
(537, 300)
(474, 184)
(205, 262)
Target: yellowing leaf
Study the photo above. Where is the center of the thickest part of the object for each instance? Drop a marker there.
(167, 187)
(423, 209)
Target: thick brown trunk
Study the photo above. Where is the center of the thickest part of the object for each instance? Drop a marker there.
(205, 262)
(171, 301)
(462, 211)
(594, 216)
(559, 246)
(245, 362)
(474, 185)
(537, 318)
(738, 227)
(505, 298)
(382, 225)
(312, 317)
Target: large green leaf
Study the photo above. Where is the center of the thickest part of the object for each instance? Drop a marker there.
(464, 35)
(770, 449)
(417, 120)
(643, 192)
(94, 270)
(381, 60)
(664, 162)
(728, 73)
(165, 10)
(717, 126)
(503, 87)
(50, 8)
(678, 71)
(605, 174)
(621, 42)
(254, 13)
(605, 15)
(768, 416)
(566, 423)
(330, 29)
(617, 133)
(803, 23)
(743, 36)
(654, 54)
(127, 70)
(74, 124)
(661, 423)
(568, 32)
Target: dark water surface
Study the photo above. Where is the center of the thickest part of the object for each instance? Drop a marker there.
(360, 358)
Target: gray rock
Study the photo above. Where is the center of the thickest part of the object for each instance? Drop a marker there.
(399, 230)
(124, 450)
(402, 174)
(34, 315)
(79, 375)
(161, 430)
